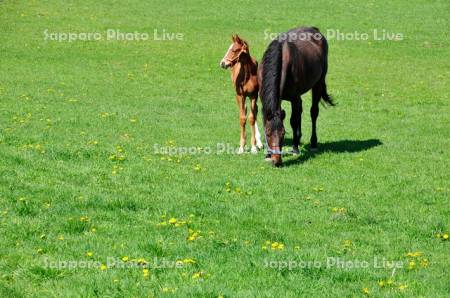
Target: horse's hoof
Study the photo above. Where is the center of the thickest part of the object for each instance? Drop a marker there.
(268, 158)
(259, 145)
(295, 151)
(254, 150)
(240, 150)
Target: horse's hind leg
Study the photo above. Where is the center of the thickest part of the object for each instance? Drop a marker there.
(242, 120)
(256, 137)
(296, 123)
(316, 95)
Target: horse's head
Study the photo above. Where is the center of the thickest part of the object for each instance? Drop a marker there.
(274, 130)
(236, 49)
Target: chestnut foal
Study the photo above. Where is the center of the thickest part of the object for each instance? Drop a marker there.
(244, 76)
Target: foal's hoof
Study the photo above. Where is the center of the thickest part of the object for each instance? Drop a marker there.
(254, 150)
(240, 150)
(259, 145)
(268, 158)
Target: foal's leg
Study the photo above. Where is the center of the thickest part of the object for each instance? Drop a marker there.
(242, 119)
(296, 123)
(256, 137)
(316, 95)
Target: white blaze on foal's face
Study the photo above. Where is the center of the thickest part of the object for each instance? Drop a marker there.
(234, 51)
(224, 62)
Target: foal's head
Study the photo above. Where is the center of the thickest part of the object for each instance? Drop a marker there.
(238, 48)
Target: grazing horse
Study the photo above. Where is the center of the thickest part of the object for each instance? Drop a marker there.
(244, 77)
(293, 63)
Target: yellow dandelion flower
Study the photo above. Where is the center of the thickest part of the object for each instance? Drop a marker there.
(366, 291)
(192, 235)
(61, 237)
(414, 254)
(173, 220)
(103, 267)
(188, 261)
(424, 263)
(145, 272)
(402, 287)
(125, 259)
(381, 283)
(445, 236)
(89, 254)
(197, 275)
(275, 245)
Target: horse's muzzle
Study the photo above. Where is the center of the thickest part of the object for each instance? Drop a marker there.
(223, 64)
(276, 160)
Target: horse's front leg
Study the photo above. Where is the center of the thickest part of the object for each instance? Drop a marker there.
(242, 120)
(296, 123)
(256, 137)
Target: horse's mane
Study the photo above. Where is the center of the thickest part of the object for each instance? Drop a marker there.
(270, 89)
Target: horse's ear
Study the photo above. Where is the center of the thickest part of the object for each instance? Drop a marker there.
(233, 37)
(238, 39)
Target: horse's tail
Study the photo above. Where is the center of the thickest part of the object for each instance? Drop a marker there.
(324, 94)
(322, 85)
(271, 78)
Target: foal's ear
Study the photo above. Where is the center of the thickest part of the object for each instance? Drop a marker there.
(233, 37)
(237, 39)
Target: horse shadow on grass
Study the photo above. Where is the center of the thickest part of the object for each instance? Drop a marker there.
(343, 146)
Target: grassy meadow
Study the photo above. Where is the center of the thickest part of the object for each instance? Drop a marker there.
(83, 180)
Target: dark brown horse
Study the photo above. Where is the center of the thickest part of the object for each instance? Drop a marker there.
(293, 63)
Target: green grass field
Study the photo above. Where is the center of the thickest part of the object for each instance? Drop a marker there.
(80, 180)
